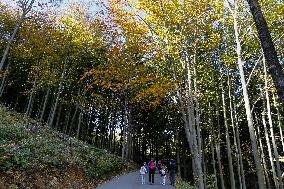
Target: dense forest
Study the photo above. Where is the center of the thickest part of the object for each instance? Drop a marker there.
(199, 81)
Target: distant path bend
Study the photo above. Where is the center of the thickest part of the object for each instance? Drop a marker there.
(133, 181)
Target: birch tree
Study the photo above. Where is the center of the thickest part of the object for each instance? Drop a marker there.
(240, 63)
(26, 6)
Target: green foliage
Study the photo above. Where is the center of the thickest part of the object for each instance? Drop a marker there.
(27, 146)
(180, 184)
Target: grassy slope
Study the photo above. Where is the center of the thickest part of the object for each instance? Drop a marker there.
(32, 156)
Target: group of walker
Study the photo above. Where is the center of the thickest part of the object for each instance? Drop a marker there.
(152, 167)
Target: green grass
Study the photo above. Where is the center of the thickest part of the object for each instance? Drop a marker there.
(26, 145)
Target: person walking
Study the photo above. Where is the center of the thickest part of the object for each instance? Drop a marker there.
(152, 167)
(143, 171)
(163, 174)
(172, 172)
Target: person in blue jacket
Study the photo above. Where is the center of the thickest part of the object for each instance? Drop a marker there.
(172, 172)
(152, 167)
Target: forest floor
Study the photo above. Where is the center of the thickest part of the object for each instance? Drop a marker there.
(133, 181)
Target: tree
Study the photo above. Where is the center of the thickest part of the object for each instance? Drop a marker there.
(26, 6)
(274, 67)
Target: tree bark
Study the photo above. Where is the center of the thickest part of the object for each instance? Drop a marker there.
(275, 151)
(240, 159)
(60, 88)
(26, 7)
(217, 146)
(31, 99)
(58, 117)
(275, 69)
(255, 152)
(269, 146)
(4, 81)
(263, 158)
(44, 104)
(6, 52)
(229, 151)
(234, 135)
(279, 122)
(66, 121)
(79, 123)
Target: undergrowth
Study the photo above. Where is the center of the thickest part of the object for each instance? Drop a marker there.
(26, 144)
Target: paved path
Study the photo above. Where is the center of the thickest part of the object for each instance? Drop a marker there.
(133, 181)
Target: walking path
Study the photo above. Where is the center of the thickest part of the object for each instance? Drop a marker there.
(133, 181)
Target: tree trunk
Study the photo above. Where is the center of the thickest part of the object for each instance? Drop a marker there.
(6, 52)
(60, 88)
(66, 122)
(4, 81)
(178, 153)
(58, 117)
(79, 123)
(44, 104)
(229, 151)
(240, 158)
(218, 153)
(276, 155)
(275, 69)
(269, 147)
(31, 99)
(255, 152)
(279, 122)
(263, 158)
(213, 160)
(26, 7)
(220, 164)
(124, 140)
(234, 134)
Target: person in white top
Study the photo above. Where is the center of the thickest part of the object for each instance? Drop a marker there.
(143, 171)
(163, 174)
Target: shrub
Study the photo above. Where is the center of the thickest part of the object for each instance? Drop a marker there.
(181, 184)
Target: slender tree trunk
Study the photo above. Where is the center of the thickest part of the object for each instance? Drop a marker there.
(234, 134)
(178, 153)
(60, 88)
(269, 147)
(26, 7)
(218, 153)
(240, 159)
(275, 69)
(276, 155)
(6, 52)
(66, 122)
(220, 165)
(213, 160)
(259, 172)
(45, 104)
(31, 98)
(58, 117)
(124, 139)
(111, 125)
(79, 123)
(4, 81)
(279, 122)
(73, 118)
(212, 144)
(263, 158)
(229, 151)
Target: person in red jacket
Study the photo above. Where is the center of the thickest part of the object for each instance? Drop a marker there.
(152, 167)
